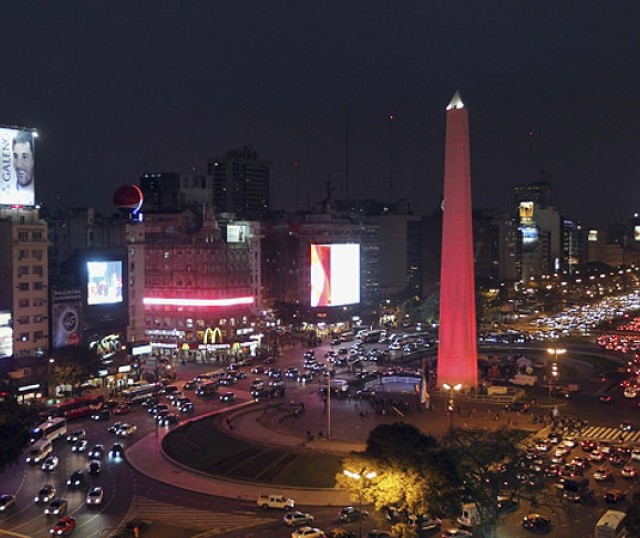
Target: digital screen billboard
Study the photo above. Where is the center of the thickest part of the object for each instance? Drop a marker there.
(104, 282)
(6, 335)
(236, 233)
(17, 152)
(335, 274)
(66, 317)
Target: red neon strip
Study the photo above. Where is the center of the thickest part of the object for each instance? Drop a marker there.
(166, 301)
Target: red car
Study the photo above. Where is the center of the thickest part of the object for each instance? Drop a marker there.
(63, 526)
(122, 409)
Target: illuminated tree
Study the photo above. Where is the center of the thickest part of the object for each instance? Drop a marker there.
(73, 365)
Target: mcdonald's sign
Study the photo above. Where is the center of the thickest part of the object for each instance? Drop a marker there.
(212, 333)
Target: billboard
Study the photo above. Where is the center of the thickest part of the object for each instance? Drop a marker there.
(17, 151)
(335, 274)
(236, 233)
(104, 282)
(6, 335)
(66, 318)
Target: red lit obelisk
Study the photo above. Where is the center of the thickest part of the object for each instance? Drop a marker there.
(457, 351)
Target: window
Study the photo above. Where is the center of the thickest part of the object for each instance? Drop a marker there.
(37, 235)
(23, 286)
(38, 301)
(38, 335)
(38, 318)
(38, 270)
(23, 303)
(23, 270)
(22, 235)
(23, 320)
(37, 254)
(23, 337)
(38, 285)
(23, 254)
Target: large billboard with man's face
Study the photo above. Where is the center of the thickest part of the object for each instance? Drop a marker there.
(17, 154)
(335, 274)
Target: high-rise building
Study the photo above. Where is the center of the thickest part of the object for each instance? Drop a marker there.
(24, 279)
(538, 192)
(457, 351)
(240, 183)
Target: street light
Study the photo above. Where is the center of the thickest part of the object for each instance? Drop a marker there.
(451, 405)
(555, 351)
(362, 475)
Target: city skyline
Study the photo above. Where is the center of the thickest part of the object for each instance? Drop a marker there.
(119, 90)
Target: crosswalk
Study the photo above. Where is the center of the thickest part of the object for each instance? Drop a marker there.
(206, 522)
(602, 433)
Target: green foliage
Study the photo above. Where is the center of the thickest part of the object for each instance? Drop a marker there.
(16, 422)
(73, 365)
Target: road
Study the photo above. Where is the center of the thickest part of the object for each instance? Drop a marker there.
(178, 513)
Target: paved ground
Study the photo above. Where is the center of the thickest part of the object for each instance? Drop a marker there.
(351, 421)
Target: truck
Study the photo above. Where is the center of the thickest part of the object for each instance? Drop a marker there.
(279, 502)
(524, 380)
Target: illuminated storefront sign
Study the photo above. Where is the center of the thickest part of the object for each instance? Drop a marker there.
(168, 301)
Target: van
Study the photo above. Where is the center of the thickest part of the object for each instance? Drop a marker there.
(39, 451)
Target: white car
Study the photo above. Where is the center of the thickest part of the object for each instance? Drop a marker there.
(456, 533)
(127, 430)
(308, 532)
(631, 392)
(95, 496)
(51, 463)
(297, 519)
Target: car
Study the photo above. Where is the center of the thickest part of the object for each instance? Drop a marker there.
(127, 430)
(507, 505)
(95, 467)
(192, 384)
(76, 435)
(257, 384)
(122, 409)
(76, 479)
(596, 456)
(117, 451)
(305, 378)
(241, 375)
(175, 396)
(46, 494)
(602, 474)
(308, 532)
(614, 496)
(179, 402)
(618, 459)
(115, 427)
(56, 507)
(578, 496)
(6, 503)
(50, 464)
(297, 519)
(187, 408)
(455, 533)
(102, 414)
(536, 523)
(588, 445)
(64, 526)
(80, 445)
(169, 419)
(626, 426)
(520, 407)
(158, 408)
(228, 397)
(543, 445)
(629, 472)
(605, 398)
(95, 496)
(228, 381)
(569, 442)
(351, 513)
(425, 524)
(554, 438)
(96, 452)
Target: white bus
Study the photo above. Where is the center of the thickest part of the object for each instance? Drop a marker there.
(50, 430)
(39, 451)
(140, 393)
(610, 525)
(372, 336)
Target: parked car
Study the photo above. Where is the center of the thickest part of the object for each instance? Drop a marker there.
(536, 523)
(308, 532)
(297, 519)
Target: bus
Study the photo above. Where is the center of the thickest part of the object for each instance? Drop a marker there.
(78, 407)
(39, 452)
(347, 336)
(610, 525)
(50, 430)
(140, 393)
(372, 336)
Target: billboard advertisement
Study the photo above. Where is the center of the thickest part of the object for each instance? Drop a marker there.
(6, 335)
(236, 233)
(18, 167)
(335, 274)
(66, 318)
(104, 282)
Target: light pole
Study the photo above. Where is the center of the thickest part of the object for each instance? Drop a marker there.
(555, 351)
(362, 475)
(451, 405)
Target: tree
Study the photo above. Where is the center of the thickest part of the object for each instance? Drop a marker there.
(73, 365)
(16, 422)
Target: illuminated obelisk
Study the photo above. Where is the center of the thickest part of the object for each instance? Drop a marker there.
(457, 351)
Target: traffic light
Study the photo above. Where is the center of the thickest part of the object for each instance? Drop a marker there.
(450, 406)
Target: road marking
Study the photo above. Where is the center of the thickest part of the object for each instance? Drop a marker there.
(16, 534)
(610, 434)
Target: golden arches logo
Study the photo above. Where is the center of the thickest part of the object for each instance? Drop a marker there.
(213, 333)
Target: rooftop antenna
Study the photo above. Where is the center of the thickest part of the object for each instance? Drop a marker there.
(390, 118)
(346, 152)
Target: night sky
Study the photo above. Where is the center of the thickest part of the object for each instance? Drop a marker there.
(119, 88)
